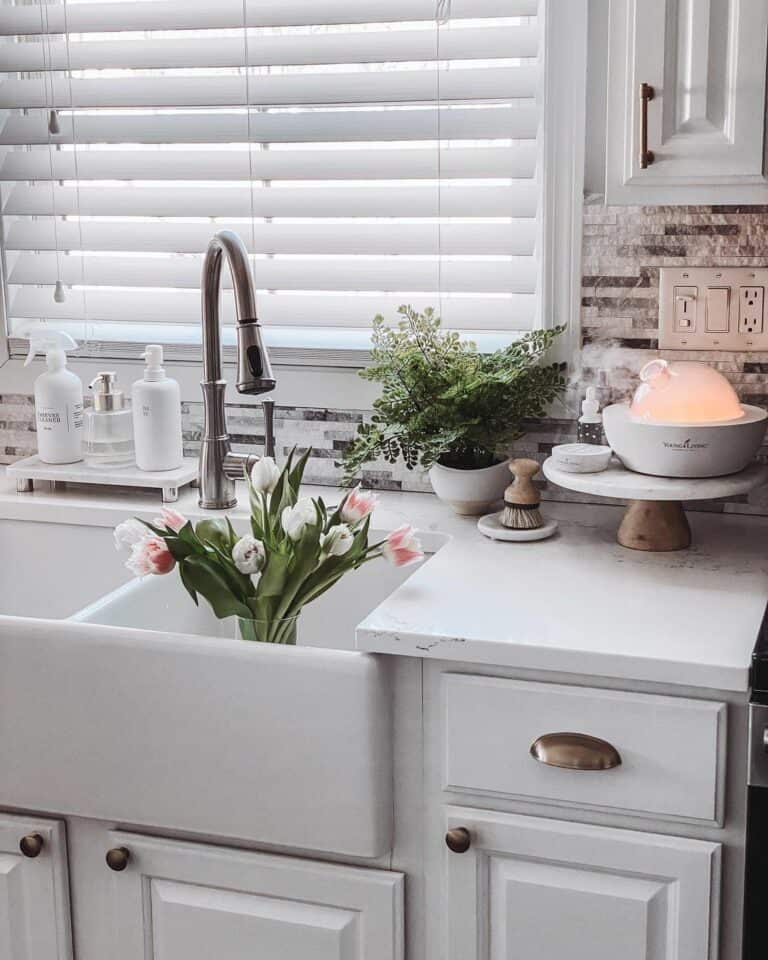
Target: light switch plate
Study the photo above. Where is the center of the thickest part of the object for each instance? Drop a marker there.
(714, 311)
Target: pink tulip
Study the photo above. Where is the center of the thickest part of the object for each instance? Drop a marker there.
(358, 506)
(402, 547)
(150, 555)
(172, 519)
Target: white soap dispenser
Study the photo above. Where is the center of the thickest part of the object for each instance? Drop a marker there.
(58, 398)
(108, 437)
(157, 416)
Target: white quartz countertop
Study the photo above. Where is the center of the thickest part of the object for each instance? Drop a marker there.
(577, 603)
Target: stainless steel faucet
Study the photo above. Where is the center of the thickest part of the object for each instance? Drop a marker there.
(219, 466)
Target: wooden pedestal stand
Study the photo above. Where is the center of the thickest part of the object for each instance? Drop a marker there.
(655, 519)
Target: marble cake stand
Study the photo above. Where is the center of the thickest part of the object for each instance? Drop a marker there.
(655, 518)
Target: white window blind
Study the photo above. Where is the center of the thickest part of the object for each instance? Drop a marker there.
(369, 152)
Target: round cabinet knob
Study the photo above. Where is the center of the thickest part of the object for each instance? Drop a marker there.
(31, 845)
(458, 840)
(117, 858)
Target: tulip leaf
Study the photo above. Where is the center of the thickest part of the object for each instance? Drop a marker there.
(272, 582)
(179, 549)
(204, 575)
(296, 474)
(187, 585)
(240, 583)
(158, 531)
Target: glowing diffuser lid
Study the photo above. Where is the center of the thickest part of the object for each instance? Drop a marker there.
(684, 393)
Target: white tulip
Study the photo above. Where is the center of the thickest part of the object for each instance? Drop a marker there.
(264, 475)
(129, 533)
(249, 555)
(337, 541)
(295, 519)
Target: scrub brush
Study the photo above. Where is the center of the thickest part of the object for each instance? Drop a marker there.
(521, 498)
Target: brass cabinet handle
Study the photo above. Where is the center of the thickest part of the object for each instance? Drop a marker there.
(647, 93)
(31, 845)
(458, 840)
(117, 858)
(575, 751)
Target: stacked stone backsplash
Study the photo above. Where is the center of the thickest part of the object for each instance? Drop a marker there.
(624, 247)
(327, 432)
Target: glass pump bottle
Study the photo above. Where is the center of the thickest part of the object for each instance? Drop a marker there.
(108, 425)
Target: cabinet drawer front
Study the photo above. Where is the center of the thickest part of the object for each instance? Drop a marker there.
(671, 749)
(189, 901)
(538, 889)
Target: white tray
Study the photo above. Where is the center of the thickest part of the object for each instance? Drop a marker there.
(168, 481)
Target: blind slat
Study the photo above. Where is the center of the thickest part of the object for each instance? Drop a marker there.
(478, 200)
(285, 309)
(488, 239)
(518, 121)
(372, 158)
(228, 14)
(385, 46)
(517, 275)
(394, 87)
(424, 163)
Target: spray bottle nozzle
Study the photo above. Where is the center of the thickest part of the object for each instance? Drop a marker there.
(44, 340)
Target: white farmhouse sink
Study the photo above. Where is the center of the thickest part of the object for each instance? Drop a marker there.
(54, 569)
(161, 605)
(144, 711)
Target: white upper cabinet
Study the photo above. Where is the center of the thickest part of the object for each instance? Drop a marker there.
(699, 135)
(34, 891)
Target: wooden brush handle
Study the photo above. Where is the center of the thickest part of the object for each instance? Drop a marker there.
(522, 491)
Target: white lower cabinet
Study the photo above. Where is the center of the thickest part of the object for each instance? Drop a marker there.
(188, 901)
(34, 893)
(535, 889)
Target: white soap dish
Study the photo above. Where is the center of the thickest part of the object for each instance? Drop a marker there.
(492, 527)
(581, 457)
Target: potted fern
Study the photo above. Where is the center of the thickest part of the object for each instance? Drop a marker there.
(447, 408)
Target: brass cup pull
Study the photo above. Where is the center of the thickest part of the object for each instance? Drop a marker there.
(575, 751)
(31, 845)
(647, 93)
(117, 858)
(458, 840)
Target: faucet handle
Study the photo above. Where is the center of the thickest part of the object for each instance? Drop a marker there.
(268, 406)
(238, 466)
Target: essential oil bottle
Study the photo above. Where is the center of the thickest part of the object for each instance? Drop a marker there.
(590, 426)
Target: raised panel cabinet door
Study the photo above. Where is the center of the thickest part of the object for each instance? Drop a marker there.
(35, 921)
(535, 889)
(706, 62)
(189, 901)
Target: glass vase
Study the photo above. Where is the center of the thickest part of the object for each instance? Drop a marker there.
(267, 631)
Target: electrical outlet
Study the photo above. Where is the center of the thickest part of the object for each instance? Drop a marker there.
(751, 309)
(713, 308)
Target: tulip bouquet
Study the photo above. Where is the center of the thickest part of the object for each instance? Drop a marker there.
(297, 549)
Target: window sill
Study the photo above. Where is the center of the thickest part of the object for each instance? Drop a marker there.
(288, 346)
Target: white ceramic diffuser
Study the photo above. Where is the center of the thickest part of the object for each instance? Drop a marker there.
(685, 420)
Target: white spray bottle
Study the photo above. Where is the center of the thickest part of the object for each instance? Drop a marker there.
(58, 398)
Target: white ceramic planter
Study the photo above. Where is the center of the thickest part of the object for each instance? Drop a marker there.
(470, 492)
